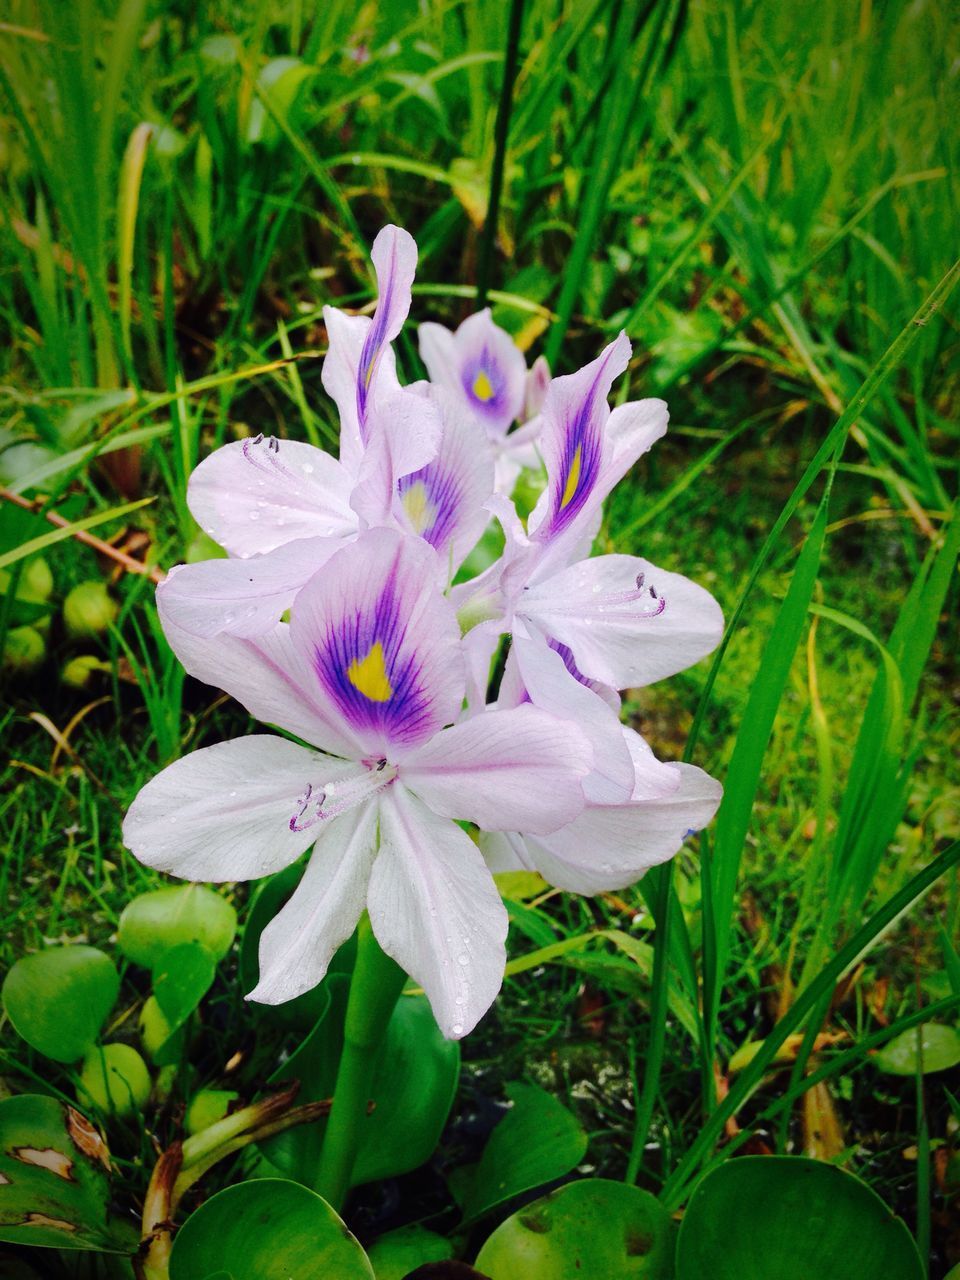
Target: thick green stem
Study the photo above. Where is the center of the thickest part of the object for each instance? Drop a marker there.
(374, 990)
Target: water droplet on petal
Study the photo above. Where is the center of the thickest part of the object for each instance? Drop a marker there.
(463, 958)
(457, 1028)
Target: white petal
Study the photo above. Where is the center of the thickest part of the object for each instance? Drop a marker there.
(242, 597)
(435, 909)
(516, 770)
(297, 945)
(254, 495)
(504, 851)
(619, 635)
(224, 812)
(611, 847)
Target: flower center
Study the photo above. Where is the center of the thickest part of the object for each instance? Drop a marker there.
(329, 800)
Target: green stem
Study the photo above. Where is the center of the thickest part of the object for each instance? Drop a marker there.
(501, 134)
(374, 990)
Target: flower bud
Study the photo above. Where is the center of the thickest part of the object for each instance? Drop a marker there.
(23, 650)
(114, 1078)
(78, 672)
(88, 610)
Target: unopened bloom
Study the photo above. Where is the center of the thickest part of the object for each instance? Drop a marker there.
(370, 671)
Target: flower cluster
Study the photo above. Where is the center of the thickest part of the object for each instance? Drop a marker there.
(343, 617)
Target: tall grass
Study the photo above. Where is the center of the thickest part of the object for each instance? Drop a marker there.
(758, 198)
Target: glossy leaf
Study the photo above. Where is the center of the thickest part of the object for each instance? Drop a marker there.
(394, 1255)
(181, 980)
(154, 922)
(60, 998)
(789, 1217)
(413, 1089)
(902, 1056)
(54, 1184)
(590, 1230)
(268, 1229)
(537, 1141)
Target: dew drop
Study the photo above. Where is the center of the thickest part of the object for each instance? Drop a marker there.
(254, 515)
(463, 958)
(308, 468)
(457, 1028)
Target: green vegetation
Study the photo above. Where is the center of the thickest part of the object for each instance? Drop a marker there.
(763, 197)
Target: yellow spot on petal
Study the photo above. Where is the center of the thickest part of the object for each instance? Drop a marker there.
(420, 510)
(573, 479)
(369, 676)
(482, 387)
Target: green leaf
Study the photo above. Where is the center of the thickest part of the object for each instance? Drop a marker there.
(789, 1217)
(154, 922)
(901, 1056)
(114, 1078)
(536, 1141)
(60, 998)
(267, 1229)
(590, 1230)
(414, 1083)
(54, 1185)
(394, 1255)
(181, 979)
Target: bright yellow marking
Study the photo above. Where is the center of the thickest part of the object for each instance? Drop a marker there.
(573, 479)
(370, 675)
(419, 508)
(482, 387)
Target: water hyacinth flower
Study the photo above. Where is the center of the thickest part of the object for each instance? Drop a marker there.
(370, 672)
(383, 668)
(622, 621)
(484, 370)
(408, 460)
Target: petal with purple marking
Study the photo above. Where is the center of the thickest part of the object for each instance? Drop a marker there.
(394, 256)
(382, 642)
(443, 502)
(575, 415)
(405, 431)
(269, 676)
(481, 366)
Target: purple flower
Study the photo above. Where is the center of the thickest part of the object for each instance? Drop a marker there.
(370, 671)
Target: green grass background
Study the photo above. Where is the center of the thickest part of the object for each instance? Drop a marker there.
(765, 197)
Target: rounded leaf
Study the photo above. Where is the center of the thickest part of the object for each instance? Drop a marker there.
(114, 1078)
(537, 1141)
(589, 1230)
(60, 998)
(54, 1183)
(268, 1229)
(154, 922)
(786, 1216)
(394, 1255)
(902, 1055)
